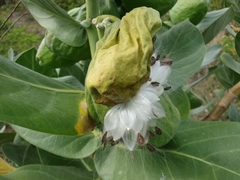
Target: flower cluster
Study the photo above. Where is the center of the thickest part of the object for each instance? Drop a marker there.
(130, 121)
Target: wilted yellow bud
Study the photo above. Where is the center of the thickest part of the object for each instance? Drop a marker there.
(122, 60)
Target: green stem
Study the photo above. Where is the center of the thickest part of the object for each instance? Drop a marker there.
(92, 7)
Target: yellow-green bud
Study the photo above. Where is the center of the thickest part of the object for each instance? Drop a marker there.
(122, 60)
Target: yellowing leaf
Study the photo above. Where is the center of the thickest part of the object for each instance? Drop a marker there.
(5, 167)
(84, 123)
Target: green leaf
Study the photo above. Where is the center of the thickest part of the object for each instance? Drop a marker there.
(236, 7)
(168, 124)
(66, 146)
(231, 31)
(183, 43)
(227, 77)
(233, 113)
(218, 25)
(40, 172)
(212, 54)
(76, 70)
(51, 159)
(200, 150)
(49, 15)
(200, 109)
(6, 137)
(212, 17)
(71, 81)
(108, 7)
(28, 60)
(11, 55)
(229, 62)
(31, 100)
(2, 127)
(21, 154)
(237, 43)
(181, 102)
(194, 99)
(219, 93)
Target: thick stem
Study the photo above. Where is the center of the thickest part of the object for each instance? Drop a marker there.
(222, 106)
(92, 7)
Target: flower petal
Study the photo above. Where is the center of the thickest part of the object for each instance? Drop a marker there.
(160, 73)
(158, 110)
(130, 139)
(111, 119)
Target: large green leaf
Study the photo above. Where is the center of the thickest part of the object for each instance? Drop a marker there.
(21, 154)
(183, 43)
(200, 150)
(236, 7)
(31, 100)
(53, 18)
(54, 160)
(66, 146)
(43, 172)
(218, 25)
(28, 60)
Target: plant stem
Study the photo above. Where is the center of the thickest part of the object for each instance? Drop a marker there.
(92, 7)
(222, 106)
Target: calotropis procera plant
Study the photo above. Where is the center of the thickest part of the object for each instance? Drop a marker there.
(105, 94)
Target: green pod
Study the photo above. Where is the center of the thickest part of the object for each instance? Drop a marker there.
(74, 54)
(195, 10)
(161, 6)
(45, 57)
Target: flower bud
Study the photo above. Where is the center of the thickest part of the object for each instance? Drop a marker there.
(122, 60)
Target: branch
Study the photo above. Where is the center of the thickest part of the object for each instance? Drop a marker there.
(14, 9)
(10, 27)
(222, 106)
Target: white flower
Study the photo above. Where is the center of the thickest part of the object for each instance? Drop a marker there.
(131, 120)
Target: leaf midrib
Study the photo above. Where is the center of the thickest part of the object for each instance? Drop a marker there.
(44, 87)
(201, 160)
